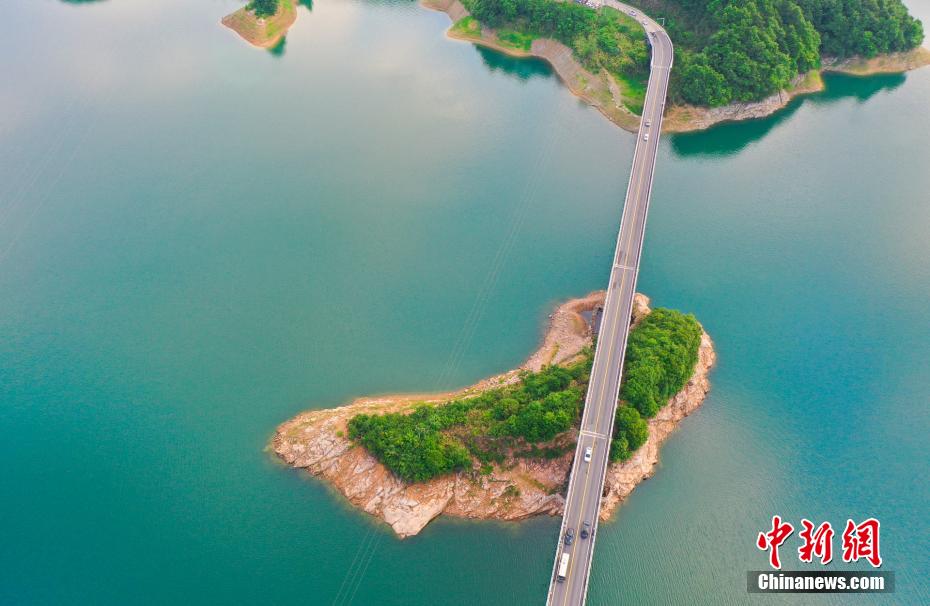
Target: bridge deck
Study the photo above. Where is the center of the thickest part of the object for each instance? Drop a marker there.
(586, 483)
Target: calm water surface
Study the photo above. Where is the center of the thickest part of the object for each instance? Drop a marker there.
(199, 239)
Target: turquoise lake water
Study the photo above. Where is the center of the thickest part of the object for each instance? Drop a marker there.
(199, 239)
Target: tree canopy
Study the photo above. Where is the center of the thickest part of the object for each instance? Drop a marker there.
(745, 50)
(527, 419)
(727, 50)
(758, 48)
(263, 8)
(660, 358)
(863, 28)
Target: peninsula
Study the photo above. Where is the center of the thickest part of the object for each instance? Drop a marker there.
(738, 60)
(506, 444)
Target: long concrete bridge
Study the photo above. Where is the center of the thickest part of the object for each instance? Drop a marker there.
(586, 483)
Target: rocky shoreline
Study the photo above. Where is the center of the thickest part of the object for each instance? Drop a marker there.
(686, 118)
(516, 489)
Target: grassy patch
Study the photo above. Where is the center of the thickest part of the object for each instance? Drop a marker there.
(467, 27)
(633, 90)
(516, 40)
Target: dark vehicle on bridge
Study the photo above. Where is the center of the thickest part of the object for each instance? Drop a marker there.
(569, 536)
(586, 530)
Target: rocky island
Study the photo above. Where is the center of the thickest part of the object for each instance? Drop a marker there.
(526, 480)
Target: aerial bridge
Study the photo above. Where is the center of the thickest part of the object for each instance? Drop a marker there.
(573, 558)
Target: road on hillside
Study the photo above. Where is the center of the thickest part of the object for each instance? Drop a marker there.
(586, 483)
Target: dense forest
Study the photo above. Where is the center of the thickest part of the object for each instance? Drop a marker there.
(726, 50)
(528, 419)
(745, 50)
(660, 356)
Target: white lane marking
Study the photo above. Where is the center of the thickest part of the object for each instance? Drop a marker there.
(593, 434)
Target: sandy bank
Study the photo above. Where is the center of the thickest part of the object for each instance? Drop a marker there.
(518, 488)
(263, 32)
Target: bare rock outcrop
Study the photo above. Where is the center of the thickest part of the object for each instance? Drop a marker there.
(684, 118)
(318, 441)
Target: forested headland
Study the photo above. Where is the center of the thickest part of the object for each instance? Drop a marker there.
(726, 50)
(745, 50)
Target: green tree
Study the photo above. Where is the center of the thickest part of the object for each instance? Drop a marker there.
(660, 358)
(865, 28)
(630, 432)
(263, 8)
(700, 84)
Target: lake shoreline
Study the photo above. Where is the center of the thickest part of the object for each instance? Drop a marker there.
(602, 91)
(678, 118)
(516, 489)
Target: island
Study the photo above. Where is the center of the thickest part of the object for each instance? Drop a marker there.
(263, 23)
(502, 448)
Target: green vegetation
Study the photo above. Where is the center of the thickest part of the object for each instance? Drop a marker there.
(526, 419)
(263, 8)
(745, 50)
(605, 39)
(854, 27)
(633, 91)
(630, 432)
(467, 26)
(433, 440)
(515, 40)
(660, 358)
(760, 46)
(726, 50)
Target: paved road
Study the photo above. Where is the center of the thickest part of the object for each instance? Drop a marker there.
(587, 479)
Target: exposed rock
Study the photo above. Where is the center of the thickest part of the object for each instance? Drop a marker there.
(684, 118)
(317, 441)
